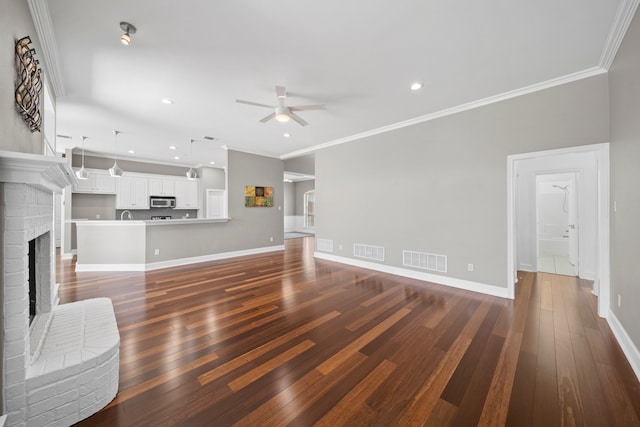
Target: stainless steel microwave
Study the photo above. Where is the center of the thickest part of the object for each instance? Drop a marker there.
(163, 202)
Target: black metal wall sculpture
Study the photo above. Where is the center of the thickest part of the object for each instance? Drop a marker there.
(28, 84)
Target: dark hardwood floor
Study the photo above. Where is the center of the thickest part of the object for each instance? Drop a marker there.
(284, 339)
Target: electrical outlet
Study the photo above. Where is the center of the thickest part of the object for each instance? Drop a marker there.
(271, 238)
(97, 216)
(470, 267)
(619, 300)
(157, 251)
(615, 206)
(340, 247)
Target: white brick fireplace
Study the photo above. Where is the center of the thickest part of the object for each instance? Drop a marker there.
(63, 366)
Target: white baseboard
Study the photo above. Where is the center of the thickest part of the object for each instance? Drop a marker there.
(418, 275)
(176, 262)
(628, 348)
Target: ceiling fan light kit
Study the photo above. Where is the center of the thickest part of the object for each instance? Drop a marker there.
(128, 29)
(282, 112)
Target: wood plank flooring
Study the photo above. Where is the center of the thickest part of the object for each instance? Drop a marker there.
(284, 339)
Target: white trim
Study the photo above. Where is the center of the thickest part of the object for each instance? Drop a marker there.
(67, 256)
(44, 28)
(418, 275)
(602, 277)
(590, 72)
(621, 22)
(176, 262)
(45, 172)
(628, 348)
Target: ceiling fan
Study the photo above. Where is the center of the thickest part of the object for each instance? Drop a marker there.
(283, 113)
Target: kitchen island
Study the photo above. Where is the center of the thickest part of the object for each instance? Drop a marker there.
(136, 245)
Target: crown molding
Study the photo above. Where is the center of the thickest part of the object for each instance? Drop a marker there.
(44, 29)
(590, 72)
(255, 153)
(619, 28)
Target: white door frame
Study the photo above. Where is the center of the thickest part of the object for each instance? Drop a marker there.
(602, 279)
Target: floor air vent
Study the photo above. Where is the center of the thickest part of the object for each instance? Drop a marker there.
(370, 252)
(424, 260)
(325, 245)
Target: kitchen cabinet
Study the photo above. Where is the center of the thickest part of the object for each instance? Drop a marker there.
(133, 193)
(99, 182)
(161, 187)
(187, 194)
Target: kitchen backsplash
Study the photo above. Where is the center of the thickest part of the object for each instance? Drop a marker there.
(147, 214)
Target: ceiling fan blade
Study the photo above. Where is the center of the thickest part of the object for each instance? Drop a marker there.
(307, 107)
(297, 118)
(281, 92)
(240, 101)
(269, 117)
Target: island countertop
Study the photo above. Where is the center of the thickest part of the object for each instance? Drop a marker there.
(101, 223)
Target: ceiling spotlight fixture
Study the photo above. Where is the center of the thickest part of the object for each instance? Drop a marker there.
(115, 170)
(167, 101)
(82, 173)
(132, 152)
(287, 135)
(172, 147)
(416, 86)
(212, 163)
(191, 174)
(176, 158)
(128, 30)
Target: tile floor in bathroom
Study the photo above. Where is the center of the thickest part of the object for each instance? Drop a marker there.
(555, 264)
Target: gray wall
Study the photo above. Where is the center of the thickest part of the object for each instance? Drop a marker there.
(289, 198)
(624, 83)
(305, 165)
(441, 186)
(94, 162)
(248, 228)
(301, 188)
(15, 23)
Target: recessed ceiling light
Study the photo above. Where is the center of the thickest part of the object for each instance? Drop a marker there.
(132, 152)
(416, 86)
(212, 163)
(172, 147)
(287, 135)
(210, 138)
(167, 101)
(176, 158)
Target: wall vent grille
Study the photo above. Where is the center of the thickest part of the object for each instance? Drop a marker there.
(370, 252)
(325, 245)
(425, 260)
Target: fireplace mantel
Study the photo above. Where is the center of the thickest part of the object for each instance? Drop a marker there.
(47, 173)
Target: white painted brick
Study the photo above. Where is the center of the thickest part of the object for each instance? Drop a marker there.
(16, 211)
(15, 265)
(40, 394)
(16, 307)
(87, 401)
(15, 251)
(18, 280)
(45, 419)
(15, 391)
(14, 363)
(15, 237)
(15, 196)
(66, 410)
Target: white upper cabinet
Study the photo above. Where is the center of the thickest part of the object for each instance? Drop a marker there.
(187, 194)
(133, 193)
(99, 182)
(162, 187)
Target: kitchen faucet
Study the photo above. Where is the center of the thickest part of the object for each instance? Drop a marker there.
(129, 216)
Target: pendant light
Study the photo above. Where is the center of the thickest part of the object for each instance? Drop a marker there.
(192, 175)
(115, 170)
(82, 173)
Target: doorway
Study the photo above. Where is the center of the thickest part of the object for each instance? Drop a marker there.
(590, 163)
(557, 224)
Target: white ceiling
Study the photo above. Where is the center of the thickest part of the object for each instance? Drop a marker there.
(358, 57)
